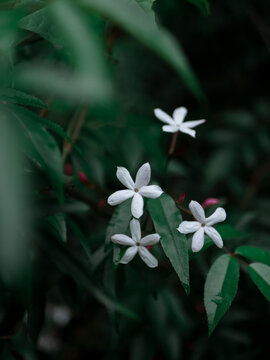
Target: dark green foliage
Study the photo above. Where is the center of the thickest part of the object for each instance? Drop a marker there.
(220, 288)
(166, 218)
(78, 84)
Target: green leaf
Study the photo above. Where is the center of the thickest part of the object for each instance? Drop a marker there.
(119, 223)
(139, 24)
(40, 22)
(166, 218)
(64, 23)
(260, 274)
(19, 97)
(40, 147)
(56, 225)
(57, 129)
(72, 265)
(15, 269)
(254, 253)
(147, 6)
(220, 288)
(84, 241)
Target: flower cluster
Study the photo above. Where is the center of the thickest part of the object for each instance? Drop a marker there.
(137, 191)
(140, 188)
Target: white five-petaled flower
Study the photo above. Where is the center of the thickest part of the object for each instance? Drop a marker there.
(202, 226)
(176, 122)
(136, 190)
(137, 244)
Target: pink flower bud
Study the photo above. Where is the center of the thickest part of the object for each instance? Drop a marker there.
(102, 203)
(68, 169)
(149, 247)
(181, 197)
(83, 177)
(209, 202)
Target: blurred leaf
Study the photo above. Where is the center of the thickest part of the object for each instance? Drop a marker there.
(56, 225)
(15, 269)
(19, 97)
(119, 223)
(135, 21)
(40, 146)
(219, 165)
(63, 23)
(220, 288)
(147, 6)
(159, 317)
(260, 274)
(166, 218)
(40, 22)
(84, 241)
(57, 129)
(73, 266)
(254, 253)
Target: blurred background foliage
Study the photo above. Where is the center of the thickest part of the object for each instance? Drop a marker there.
(78, 84)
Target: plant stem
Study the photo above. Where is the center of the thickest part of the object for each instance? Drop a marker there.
(235, 256)
(171, 150)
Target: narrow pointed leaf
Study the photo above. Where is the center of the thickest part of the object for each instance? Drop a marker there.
(56, 225)
(40, 146)
(220, 288)
(70, 264)
(21, 98)
(260, 274)
(166, 218)
(131, 16)
(254, 253)
(119, 223)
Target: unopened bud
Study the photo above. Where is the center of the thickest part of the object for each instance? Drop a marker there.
(102, 203)
(181, 197)
(82, 177)
(209, 202)
(68, 169)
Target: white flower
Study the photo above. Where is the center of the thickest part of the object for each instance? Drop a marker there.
(137, 244)
(202, 226)
(136, 190)
(176, 122)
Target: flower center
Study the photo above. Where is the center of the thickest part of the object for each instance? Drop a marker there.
(136, 190)
(137, 243)
(203, 224)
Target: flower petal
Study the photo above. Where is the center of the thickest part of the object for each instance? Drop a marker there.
(179, 114)
(170, 128)
(143, 176)
(135, 229)
(198, 240)
(218, 216)
(151, 191)
(214, 235)
(187, 227)
(164, 117)
(147, 257)
(194, 123)
(129, 254)
(186, 130)
(124, 177)
(150, 240)
(197, 211)
(122, 239)
(137, 206)
(119, 196)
